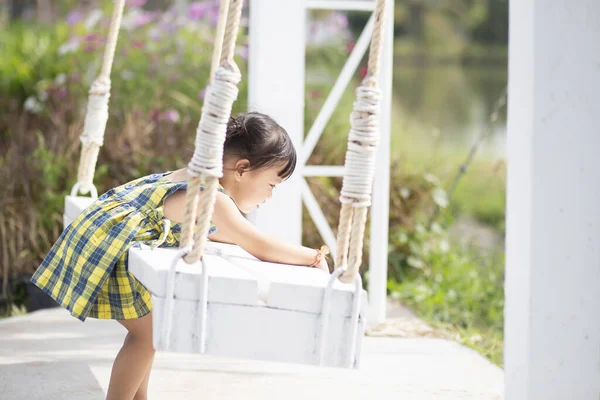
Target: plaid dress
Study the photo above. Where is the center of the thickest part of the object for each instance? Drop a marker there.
(86, 269)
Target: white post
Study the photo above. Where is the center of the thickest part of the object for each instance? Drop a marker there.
(276, 87)
(552, 330)
(378, 258)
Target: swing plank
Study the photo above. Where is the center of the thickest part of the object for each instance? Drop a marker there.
(74, 205)
(255, 309)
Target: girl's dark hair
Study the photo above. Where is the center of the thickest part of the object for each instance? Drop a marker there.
(262, 141)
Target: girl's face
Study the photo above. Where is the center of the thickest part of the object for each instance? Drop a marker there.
(253, 187)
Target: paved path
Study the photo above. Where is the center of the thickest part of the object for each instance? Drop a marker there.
(52, 356)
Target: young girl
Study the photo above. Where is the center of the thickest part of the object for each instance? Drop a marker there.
(86, 269)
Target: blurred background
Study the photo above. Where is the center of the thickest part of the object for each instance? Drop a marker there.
(446, 246)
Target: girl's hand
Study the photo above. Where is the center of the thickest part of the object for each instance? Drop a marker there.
(234, 228)
(322, 265)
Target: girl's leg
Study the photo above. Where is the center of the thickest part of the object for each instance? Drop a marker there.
(142, 392)
(133, 361)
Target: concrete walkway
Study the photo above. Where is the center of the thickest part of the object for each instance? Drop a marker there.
(50, 355)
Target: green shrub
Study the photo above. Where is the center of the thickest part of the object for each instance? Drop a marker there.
(462, 292)
(45, 74)
(159, 74)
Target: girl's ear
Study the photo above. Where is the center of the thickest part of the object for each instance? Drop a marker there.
(241, 167)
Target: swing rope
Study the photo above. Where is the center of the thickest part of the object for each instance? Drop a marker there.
(92, 137)
(206, 165)
(360, 161)
(216, 56)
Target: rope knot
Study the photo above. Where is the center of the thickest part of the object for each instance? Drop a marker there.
(97, 113)
(363, 140)
(212, 130)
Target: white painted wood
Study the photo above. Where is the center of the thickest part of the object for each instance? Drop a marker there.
(318, 217)
(323, 170)
(276, 87)
(260, 333)
(380, 220)
(336, 92)
(256, 309)
(552, 329)
(230, 283)
(356, 5)
(74, 205)
(235, 277)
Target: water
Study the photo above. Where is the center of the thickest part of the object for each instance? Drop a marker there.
(449, 105)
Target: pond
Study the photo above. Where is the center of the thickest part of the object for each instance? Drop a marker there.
(448, 106)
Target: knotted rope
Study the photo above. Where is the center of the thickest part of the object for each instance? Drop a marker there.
(206, 165)
(94, 125)
(361, 156)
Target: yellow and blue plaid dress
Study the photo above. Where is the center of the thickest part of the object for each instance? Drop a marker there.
(86, 269)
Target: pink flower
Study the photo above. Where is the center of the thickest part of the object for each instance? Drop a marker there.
(242, 52)
(170, 116)
(202, 94)
(213, 16)
(168, 27)
(74, 17)
(363, 72)
(61, 93)
(198, 9)
(154, 115)
(137, 44)
(350, 47)
(340, 20)
(143, 19)
(315, 93)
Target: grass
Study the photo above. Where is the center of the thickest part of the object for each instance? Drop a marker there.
(462, 294)
(480, 192)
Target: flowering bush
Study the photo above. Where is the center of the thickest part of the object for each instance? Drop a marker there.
(159, 77)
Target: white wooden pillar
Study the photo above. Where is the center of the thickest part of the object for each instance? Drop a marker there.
(276, 87)
(380, 220)
(552, 329)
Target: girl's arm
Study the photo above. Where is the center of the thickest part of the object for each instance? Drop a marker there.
(234, 228)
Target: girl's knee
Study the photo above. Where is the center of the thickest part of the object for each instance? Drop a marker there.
(140, 331)
(142, 342)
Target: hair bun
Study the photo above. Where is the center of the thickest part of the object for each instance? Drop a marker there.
(236, 127)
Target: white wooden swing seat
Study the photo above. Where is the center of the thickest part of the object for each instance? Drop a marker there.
(252, 309)
(74, 205)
